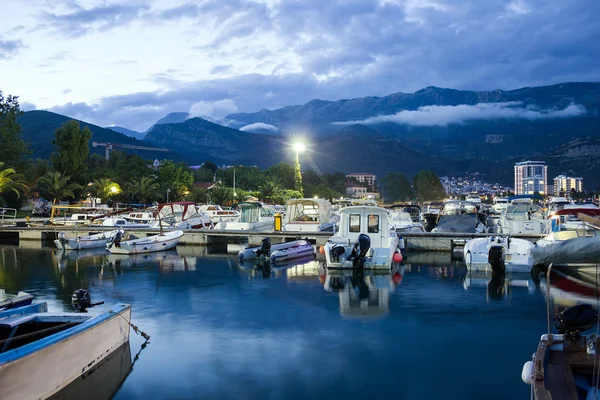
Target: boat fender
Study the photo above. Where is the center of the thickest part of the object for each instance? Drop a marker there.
(397, 257)
(527, 373)
(401, 243)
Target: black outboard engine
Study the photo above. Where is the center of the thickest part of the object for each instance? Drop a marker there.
(573, 320)
(336, 252)
(265, 248)
(116, 240)
(496, 258)
(359, 251)
(81, 300)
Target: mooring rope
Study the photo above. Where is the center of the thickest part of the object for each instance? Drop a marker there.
(135, 328)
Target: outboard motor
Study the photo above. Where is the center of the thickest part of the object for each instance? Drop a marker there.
(574, 320)
(81, 300)
(496, 258)
(116, 240)
(265, 248)
(62, 238)
(359, 251)
(336, 252)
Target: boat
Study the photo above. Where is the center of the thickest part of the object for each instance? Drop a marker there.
(181, 215)
(44, 352)
(121, 244)
(365, 239)
(254, 216)
(521, 218)
(363, 293)
(309, 215)
(8, 301)
(565, 364)
(280, 252)
(217, 213)
(123, 223)
(84, 242)
(559, 236)
(498, 253)
(500, 204)
(405, 218)
(460, 216)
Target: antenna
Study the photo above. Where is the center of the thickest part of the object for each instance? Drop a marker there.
(548, 301)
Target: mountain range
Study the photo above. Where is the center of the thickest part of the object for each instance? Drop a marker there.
(446, 130)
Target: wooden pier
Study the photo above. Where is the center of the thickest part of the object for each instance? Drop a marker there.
(429, 241)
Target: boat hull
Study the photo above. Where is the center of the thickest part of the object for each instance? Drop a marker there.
(281, 251)
(147, 245)
(41, 369)
(517, 254)
(84, 242)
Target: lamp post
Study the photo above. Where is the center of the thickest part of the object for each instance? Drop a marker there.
(168, 191)
(299, 147)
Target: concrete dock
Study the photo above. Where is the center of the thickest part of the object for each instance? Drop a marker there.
(429, 241)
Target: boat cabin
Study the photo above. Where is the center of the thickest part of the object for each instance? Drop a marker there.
(254, 211)
(308, 215)
(373, 221)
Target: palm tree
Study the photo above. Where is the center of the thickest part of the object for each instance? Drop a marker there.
(144, 188)
(57, 186)
(220, 194)
(104, 188)
(198, 195)
(10, 181)
(270, 190)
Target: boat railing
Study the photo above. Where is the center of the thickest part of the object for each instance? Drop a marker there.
(6, 213)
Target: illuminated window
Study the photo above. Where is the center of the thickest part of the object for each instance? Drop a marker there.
(354, 222)
(373, 224)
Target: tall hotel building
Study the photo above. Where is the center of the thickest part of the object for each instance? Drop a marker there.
(531, 177)
(563, 185)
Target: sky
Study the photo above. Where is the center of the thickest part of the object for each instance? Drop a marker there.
(130, 62)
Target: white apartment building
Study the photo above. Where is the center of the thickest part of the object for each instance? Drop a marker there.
(564, 184)
(370, 179)
(531, 177)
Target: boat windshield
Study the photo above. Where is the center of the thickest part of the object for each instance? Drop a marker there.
(523, 212)
(458, 209)
(249, 213)
(308, 211)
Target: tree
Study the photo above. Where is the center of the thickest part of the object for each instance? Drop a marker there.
(13, 149)
(10, 181)
(144, 189)
(284, 173)
(427, 186)
(105, 188)
(71, 149)
(211, 166)
(197, 195)
(396, 187)
(176, 178)
(270, 191)
(57, 186)
(220, 194)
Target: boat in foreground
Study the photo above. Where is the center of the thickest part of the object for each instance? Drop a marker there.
(84, 242)
(160, 242)
(8, 301)
(365, 239)
(280, 252)
(501, 252)
(43, 352)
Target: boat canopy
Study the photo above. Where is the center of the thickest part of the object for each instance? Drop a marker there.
(252, 211)
(523, 212)
(181, 211)
(458, 208)
(308, 210)
(581, 250)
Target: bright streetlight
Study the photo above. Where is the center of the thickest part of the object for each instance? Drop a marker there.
(299, 147)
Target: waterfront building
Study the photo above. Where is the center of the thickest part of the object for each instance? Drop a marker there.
(360, 192)
(363, 177)
(563, 185)
(531, 177)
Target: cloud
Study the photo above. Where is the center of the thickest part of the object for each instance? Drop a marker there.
(216, 109)
(82, 21)
(221, 69)
(259, 125)
(9, 48)
(446, 115)
(27, 106)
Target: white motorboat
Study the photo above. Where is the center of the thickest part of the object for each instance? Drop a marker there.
(365, 239)
(43, 352)
(120, 244)
(123, 223)
(181, 215)
(280, 252)
(403, 221)
(84, 242)
(218, 214)
(559, 236)
(523, 218)
(140, 217)
(254, 216)
(498, 253)
(309, 215)
(500, 204)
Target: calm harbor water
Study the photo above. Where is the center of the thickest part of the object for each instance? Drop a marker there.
(220, 330)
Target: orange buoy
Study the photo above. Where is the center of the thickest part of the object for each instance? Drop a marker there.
(322, 249)
(397, 257)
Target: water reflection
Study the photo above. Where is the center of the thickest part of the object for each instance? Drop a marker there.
(499, 285)
(363, 293)
(103, 380)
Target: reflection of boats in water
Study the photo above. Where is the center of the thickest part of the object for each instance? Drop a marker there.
(498, 285)
(101, 381)
(570, 285)
(170, 260)
(363, 293)
(79, 257)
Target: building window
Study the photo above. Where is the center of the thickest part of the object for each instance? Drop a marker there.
(354, 222)
(373, 224)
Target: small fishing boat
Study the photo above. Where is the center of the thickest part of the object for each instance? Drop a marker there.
(498, 252)
(41, 353)
(280, 252)
(365, 239)
(8, 301)
(121, 244)
(84, 242)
